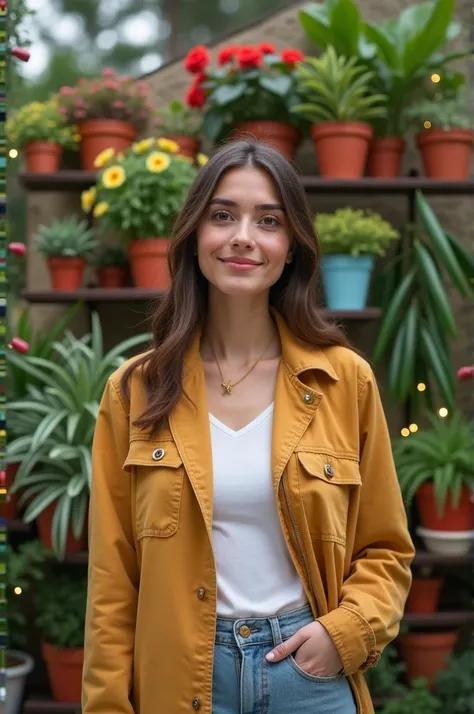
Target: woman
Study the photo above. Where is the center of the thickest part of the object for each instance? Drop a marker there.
(249, 550)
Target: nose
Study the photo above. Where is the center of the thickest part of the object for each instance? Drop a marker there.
(243, 237)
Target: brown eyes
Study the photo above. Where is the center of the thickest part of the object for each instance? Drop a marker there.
(267, 221)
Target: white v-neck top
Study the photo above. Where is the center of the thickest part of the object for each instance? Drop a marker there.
(255, 574)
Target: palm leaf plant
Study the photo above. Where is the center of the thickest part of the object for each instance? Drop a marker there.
(55, 424)
(418, 322)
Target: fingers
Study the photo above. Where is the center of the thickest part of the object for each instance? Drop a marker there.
(286, 648)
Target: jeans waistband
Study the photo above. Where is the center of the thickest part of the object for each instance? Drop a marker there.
(261, 630)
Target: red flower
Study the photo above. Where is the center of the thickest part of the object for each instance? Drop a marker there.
(227, 54)
(292, 56)
(21, 54)
(19, 345)
(195, 96)
(249, 57)
(197, 59)
(465, 373)
(17, 249)
(267, 48)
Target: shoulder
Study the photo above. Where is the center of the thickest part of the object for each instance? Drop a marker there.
(349, 366)
(129, 367)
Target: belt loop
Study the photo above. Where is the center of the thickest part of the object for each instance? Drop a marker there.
(276, 632)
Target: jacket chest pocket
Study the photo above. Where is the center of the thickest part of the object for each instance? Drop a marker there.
(158, 472)
(326, 484)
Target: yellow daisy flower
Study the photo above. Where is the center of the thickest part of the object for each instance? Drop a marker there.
(202, 159)
(157, 162)
(88, 199)
(114, 177)
(141, 146)
(168, 145)
(101, 208)
(103, 158)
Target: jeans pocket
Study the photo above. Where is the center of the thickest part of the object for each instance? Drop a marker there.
(311, 677)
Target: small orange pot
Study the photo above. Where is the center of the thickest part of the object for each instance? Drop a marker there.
(446, 154)
(148, 262)
(188, 145)
(44, 523)
(385, 157)
(424, 595)
(341, 148)
(452, 519)
(112, 276)
(100, 134)
(425, 653)
(42, 157)
(280, 136)
(64, 671)
(66, 273)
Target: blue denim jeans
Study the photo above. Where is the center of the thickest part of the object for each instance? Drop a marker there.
(245, 683)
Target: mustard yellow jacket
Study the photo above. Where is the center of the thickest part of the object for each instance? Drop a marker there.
(151, 609)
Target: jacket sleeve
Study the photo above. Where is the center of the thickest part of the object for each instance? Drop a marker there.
(113, 569)
(374, 593)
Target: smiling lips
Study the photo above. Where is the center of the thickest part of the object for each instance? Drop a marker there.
(239, 263)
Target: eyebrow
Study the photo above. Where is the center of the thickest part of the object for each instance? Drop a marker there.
(260, 206)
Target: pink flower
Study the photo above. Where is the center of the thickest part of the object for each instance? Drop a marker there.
(63, 111)
(108, 72)
(17, 249)
(19, 345)
(21, 54)
(111, 84)
(80, 114)
(118, 104)
(465, 373)
(66, 91)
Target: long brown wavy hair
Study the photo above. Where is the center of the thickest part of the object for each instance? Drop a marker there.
(183, 309)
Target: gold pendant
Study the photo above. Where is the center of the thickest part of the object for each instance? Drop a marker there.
(227, 388)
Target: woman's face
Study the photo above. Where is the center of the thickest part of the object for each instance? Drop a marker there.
(243, 239)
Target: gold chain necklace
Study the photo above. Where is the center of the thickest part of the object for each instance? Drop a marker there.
(227, 387)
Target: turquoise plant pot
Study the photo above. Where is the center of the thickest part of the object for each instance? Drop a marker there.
(346, 280)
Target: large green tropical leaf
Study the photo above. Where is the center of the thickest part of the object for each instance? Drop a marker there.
(434, 287)
(426, 26)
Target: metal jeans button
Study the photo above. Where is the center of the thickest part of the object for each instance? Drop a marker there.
(244, 631)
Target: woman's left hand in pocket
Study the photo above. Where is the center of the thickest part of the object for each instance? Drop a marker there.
(313, 650)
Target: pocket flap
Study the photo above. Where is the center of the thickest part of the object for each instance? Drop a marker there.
(148, 453)
(331, 469)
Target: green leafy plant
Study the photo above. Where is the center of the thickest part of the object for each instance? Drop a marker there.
(455, 685)
(442, 112)
(66, 237)
(55, 424)
(442, 454)
(418, 322)
(61, 610)
(336, 88)
(383, 680)
(40, 121)
(111, 256)
(417, 700)
(351, 231)
(402, 52)
(178, 118)
(139, 193)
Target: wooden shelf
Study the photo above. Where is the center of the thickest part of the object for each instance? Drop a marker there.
(42, 705)
(439, 619)
(64, 181)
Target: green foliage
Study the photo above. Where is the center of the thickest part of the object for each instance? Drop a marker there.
(418, 700)
(55, 423)
(418, 322)
(140, 193)
(383, 680)
(40, 122)
(336, 88)
(23, 567)
(443, 455)
(443, 112)
(66, 237)
(351, 231)
(110, 256)
(455, 685)
(61, 610)
(177, 118)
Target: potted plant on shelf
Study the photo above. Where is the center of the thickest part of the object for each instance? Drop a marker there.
(455, 684)
(251, 93)
(424, 593)
(54, 426)
(109, 111)
(112, 267)
(350, 240)
(426, 653)
(23, 567)
(417, 700)
(436, 466)
(41, 132)
(61, 607)
(138, 195)
(181, 124)
(66, 243)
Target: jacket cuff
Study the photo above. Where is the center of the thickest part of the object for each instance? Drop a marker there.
(353, 637)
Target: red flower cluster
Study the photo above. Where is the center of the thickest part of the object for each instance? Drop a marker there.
(249, 57)
(465, 373)
(292, 56)
(197, 59)
(195, 96)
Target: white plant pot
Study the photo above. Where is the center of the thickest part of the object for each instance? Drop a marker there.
(15, 678)
(447, 542)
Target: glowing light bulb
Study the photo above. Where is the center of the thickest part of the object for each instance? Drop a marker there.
(405, 431)
(13, 153)
(443, 412)
(421, 387)
(413, 428)
(435, 78)
(427, 124)
(17, 590)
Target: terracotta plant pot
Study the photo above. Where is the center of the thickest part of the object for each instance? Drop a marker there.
(66, 273)
(342, 148)
(64, 672)
(282, 137)
(385, 157)
(452, 519)
(424, 595)
(188, 145)
(100, 134)
(112, 276)
(10, 505)
(148, 262)
(446, 154)
(44, 523)
(425, 653)
(42, 157)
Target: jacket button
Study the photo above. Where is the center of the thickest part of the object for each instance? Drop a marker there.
(201, 593)
(196, 704)
(328, 470)
(158, 454)
(308, 398)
